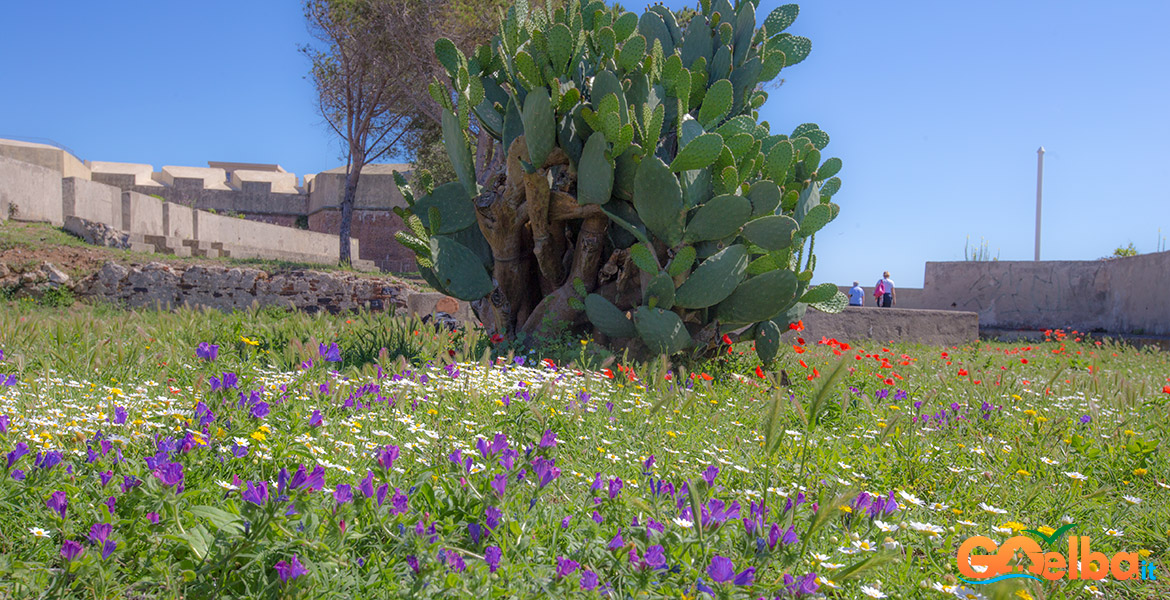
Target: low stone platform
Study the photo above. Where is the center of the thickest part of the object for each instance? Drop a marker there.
(857, 323)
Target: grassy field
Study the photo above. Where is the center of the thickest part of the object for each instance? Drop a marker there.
(195, 455)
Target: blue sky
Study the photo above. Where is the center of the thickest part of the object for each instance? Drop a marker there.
(936, 108)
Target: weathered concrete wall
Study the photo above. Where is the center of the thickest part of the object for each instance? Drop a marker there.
(29, 192)
(376, 189)
(933, 327)
(178, 221)
(222, 288)
(92, 201)
(253, 239)
(1123, 295)
(44, 155)
(142, 214)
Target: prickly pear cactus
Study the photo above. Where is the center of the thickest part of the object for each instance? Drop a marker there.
(621, 182)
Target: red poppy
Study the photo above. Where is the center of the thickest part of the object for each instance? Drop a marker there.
(797, 349)
(497, 338)
(802, 363)
(1024, 361)
(759, 372)
(607, 373)
(705, 377)
(1166, 389)
(726, 340)
(962, 372)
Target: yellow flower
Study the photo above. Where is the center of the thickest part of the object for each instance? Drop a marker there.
(671, 434)
(431, 411)
(1046, 530)
(1023, 594)
(117, 391)
(1016, 397)
(1042, 419)
(1140, 472)
(1144, 553)
(1128, 432)
(1014, 526)
(894, 407)
(258, 436)
(846, 509)
(1023, 473)
(1030, 412)
(248, 341)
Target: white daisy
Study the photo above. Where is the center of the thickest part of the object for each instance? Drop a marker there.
(872, 592)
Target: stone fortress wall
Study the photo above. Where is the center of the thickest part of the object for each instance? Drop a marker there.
(285, 217)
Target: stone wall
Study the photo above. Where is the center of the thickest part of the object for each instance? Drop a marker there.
(29, 192)
(933, 327)
(223, 288)
(91, 201)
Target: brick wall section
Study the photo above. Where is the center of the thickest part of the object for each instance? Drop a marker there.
(375, 229)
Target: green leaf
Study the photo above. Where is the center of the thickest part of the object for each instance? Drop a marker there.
(644, 258)
(595, 182)
(699, 153)
(820, 293)
(221, 519)
(658, 199)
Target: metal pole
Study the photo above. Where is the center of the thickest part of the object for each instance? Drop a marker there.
(1039, 194)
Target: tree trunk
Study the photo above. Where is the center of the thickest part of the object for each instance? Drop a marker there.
(351, 183)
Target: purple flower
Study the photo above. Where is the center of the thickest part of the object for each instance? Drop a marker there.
(709, 475)
(18, 451)
(413, 562)
(259, 410)
(316, 420)
(256, 493)
(110, 502)
(616, 542)
(310, 482)
(58, 502)
(545, 470)
(207, 351)
(343, 494)
(398, 502)
(615, 487)
(508, 458)
(453, 560)
(801, 585)
(499, 484)
(1085, 419)
(381, 493)
(331, 353)
(290, 570)
(548, 440)
(787, 537)
(588, 580)
(3, 423)
(648, 464)
(474, 531)
(655, 557)
(387, 456)
(170, 474)
(722, 570)
(48, 460)
(566, 567)
(71, 549)
(9, 381)
(492, 557)
(367, 485)
(108, 548)
(492, 517)
(152, 517)
(100, 532)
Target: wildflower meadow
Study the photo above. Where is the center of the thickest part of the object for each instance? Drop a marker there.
(193, 454)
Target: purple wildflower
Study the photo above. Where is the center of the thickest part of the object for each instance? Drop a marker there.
(545, 470)
(588, 580)
(170, 474)
(331, 353)
(492, 557)
(207, 351)
(709, 475)
(18, 451)
(615, 487)
(566, 567)
(722, 570)
(100, 532)
(108, 548)
(256, 493)
(58, 502)
(492, 517)
(290, 570)
(71, 550)
(367, 485)
(387, 456)
(316, 420)
(655, 557)
(499, 484)
(548, 440)
(259, 410)
(343, 494)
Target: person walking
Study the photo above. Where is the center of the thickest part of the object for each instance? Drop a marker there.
(856, 294)
(887, 286)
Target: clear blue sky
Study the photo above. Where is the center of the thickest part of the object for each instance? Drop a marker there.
(937, 109)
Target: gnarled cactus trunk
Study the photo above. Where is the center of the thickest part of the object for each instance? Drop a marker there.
(629, 189)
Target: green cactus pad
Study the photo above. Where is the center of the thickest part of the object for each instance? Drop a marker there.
(606, 83)
(718, 218)
(759, 298)
(653, 27)
(632, 53)
(660, 292)
(699, 42)
(662, 331)
(817, 217)
(560, 46)
(767, 341)
(539, 126)
(595, 180)
(459, 152)
(780, 160)
(625, 173)
(682, 261)
(820, 293)
(765, 196)
(794, 47)
(830, 168)
(698, 153)
(644, 258)
(833, 305)
(770, 262)
(831, 187)
(716, 103)
(625, 25)
(658, 198)
(790, 316)
(780, 19)
(459, 270)
(714, 280)
(809, 197)
(455, 208)
(607, 318)
(772, 232)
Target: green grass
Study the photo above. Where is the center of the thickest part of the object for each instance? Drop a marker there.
(841, 428)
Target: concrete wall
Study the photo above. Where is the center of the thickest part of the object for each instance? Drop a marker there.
(29, 192)
(44, 155)
(267, 241)
(178, 221)
(91, 201)
(376, 189)
(934, 327)
(142, 214)
(1123, 295)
